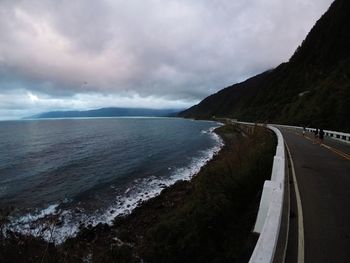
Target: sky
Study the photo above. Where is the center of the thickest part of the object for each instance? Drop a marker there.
(86, 54)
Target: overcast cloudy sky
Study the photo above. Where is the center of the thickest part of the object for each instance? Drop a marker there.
(83, 54)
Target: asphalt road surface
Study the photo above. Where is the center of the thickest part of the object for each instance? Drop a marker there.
(323, 179)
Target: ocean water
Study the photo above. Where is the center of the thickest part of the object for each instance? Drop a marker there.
(87, 171)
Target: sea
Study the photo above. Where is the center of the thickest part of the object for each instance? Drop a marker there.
(87, 171)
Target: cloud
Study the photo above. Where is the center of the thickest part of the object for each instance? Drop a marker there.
(172, 51)
(25, 103)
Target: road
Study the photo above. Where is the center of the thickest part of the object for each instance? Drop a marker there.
(323, 178)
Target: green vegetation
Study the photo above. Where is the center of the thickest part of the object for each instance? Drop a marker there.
(312, 89)
(206, 220)
(216, 218)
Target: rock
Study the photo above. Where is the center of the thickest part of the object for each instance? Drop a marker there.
(59, 223)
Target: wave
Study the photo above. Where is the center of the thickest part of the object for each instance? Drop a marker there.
(61, 224)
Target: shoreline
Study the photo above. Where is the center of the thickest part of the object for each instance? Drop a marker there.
(152, 187)
(140, 234)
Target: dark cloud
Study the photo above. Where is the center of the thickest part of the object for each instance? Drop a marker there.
(173, 51)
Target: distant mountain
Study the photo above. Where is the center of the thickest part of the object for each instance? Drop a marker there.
(313, 88)
(108, 112)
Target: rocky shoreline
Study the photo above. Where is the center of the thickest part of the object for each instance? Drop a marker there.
(208, 218)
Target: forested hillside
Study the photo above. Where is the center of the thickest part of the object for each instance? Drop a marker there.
(312, 89)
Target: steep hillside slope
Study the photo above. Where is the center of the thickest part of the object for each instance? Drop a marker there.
(313, 88)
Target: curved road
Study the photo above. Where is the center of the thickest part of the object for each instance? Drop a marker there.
(323, 179)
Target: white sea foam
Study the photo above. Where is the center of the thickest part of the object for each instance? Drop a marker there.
(51, 209)
(141, 190)
(26, 224)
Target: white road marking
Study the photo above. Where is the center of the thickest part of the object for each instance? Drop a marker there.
(301, 247)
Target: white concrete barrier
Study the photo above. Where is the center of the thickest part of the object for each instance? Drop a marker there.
(342, 136)
(333, 134)
(271, 221)
(269, 217)
(266, 197)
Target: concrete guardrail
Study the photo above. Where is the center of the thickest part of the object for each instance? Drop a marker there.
(269, 217)
(333, 134)
(268, 222)
(342, 136)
